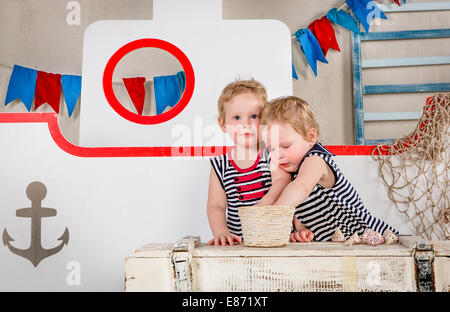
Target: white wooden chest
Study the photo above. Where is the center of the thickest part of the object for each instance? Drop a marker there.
(410, 265)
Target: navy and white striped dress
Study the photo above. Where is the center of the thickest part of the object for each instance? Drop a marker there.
(243, 187)
(338, 207)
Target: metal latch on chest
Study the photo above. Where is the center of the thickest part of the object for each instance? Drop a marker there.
(181, 261)
(423, 255)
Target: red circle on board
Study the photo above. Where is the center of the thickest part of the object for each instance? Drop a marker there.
(148, 43)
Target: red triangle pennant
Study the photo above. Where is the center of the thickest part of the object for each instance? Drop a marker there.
(397, 1)
(48, 90)
(136, 91)
(324, 33)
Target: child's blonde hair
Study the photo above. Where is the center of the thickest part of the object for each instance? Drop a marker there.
(238, 87)
(292, 110)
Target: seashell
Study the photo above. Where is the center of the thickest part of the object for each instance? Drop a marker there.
(389, 237)
(338, 236)
(354, 239)
(367, 232)
(372, 237)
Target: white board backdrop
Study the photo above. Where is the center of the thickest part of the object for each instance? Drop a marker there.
(219, 50)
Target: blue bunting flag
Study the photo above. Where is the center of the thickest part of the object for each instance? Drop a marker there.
(167, 92)
(343, 19)
(71, 86)
(365, 10)
(294, 73)
(22, 85)
(311, 48)
(182, 80)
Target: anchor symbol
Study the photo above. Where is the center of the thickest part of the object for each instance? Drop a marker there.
(36, 192)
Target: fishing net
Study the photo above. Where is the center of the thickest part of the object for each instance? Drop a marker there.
(415, 170)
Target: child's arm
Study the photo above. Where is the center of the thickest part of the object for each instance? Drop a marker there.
(313, 171)
(216, 208)
(280, 179)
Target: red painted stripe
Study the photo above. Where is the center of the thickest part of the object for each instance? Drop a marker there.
(156, 151)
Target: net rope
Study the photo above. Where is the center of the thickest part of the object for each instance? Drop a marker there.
(415, 170)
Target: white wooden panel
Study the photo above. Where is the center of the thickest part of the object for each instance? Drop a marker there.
(391, 116)
(328, 274)
(302, 250)
(413, 7)
(442, 273)
(407, 61)
(149, 274)
(314, 266)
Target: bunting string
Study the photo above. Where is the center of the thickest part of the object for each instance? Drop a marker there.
(320, 35)
(27, 84)
(6, 66)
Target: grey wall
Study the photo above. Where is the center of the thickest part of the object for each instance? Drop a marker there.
(35, 34)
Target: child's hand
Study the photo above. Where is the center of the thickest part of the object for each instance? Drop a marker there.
(224, 238)
(302, 236)
(302, 233)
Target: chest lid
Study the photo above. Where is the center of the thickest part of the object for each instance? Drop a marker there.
(192, 244)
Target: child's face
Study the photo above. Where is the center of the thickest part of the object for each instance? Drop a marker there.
(242, 118)
(287, 147)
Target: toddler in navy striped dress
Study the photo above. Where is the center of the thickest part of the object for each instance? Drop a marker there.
(324, 198)
(241, 177)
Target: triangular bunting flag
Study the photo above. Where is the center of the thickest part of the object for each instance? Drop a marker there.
(136, 91)
(48, 90)
(294, 73)
(310, 48)
(182, 80)
(22, 85)
(71, 86)
(397, 1)
(365, 10)
(343, 19)
(324, 33)
(167, 92)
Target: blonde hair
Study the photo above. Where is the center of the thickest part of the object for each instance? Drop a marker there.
(238, 87)
(292, 110)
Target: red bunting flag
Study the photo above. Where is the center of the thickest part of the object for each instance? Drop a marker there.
(48, 90)
(136, 91)
(324, 33)
(397, 1)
